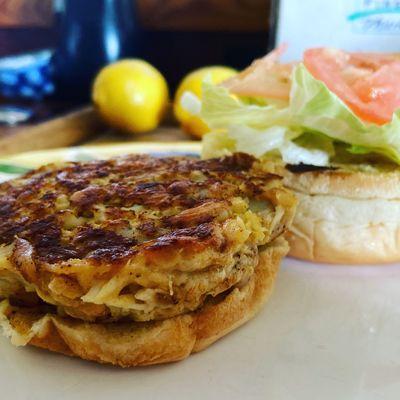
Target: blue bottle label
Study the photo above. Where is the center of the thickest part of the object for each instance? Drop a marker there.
(375, 17)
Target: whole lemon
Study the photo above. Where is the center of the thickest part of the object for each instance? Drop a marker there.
(131, 95)
(192, 83)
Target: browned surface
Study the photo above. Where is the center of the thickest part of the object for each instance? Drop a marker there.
(175, 229)
(189, 15)
(173, 339)
(28, 207)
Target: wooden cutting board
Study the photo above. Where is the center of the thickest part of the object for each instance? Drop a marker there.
(81, 126)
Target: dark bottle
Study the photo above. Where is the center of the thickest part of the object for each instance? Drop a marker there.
(273, 23)
(92, 33)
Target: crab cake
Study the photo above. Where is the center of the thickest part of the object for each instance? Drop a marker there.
(138, 260)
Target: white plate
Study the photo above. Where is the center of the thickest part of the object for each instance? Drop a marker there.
(328, 332)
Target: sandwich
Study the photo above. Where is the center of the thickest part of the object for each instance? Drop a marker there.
(331, 123)
(138, 260)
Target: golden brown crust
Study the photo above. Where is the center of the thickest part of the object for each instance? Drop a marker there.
(132, 344)
(105, 211)
(346, 217)
(137, 237)
(377, 183)
(138, 260)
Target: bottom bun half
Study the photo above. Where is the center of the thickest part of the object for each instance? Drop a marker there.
(346, 217)
(134, 344)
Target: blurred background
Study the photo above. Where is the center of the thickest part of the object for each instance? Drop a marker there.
(51, 51)
(61, 83)
(176, 35)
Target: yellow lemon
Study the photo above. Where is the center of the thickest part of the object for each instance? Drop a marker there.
(192, 83)
(131, 95)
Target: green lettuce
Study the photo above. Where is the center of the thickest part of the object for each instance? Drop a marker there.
(314, 107)
(220, 109)
(305, 130)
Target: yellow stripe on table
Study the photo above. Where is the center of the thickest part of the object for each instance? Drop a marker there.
(34, 159)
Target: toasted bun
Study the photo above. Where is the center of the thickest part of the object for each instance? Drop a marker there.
(347, 217)
(132, 344)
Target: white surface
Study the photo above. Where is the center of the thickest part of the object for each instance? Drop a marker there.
(328, 332)
(369, 25)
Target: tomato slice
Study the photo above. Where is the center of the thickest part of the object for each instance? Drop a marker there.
(369, 83)
(265, 78)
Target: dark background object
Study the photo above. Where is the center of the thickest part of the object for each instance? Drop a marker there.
(178, 53)
(273, 23)
(91, 35)
(178, 35)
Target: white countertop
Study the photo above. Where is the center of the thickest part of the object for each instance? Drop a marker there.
(328, 332)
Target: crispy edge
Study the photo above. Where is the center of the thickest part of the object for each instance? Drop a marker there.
(345, 183)
(134, 344)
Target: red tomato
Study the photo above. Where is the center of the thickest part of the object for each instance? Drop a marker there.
(369, 83)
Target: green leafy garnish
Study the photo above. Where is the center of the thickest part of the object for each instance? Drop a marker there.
(306, 129)
(13, 169)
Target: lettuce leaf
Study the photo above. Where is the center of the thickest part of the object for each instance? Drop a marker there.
(309, 148)
(253, 128)
(292, 153)
(262, 141)
(220, 109)
(314, 107)
(303, 131)
(273, 141)
(217, 144)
